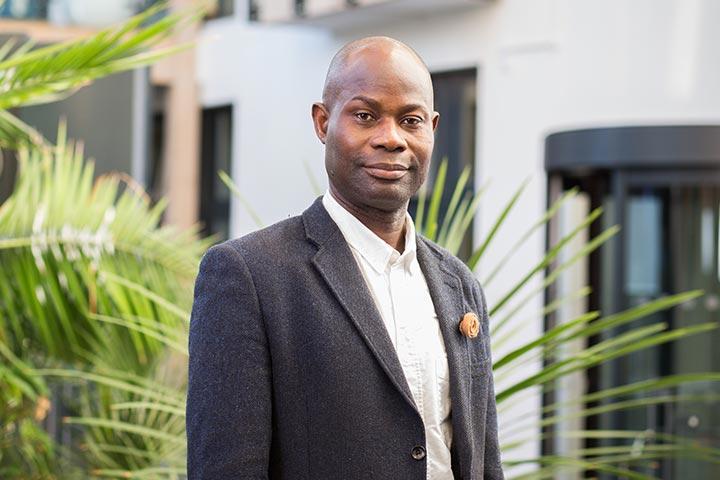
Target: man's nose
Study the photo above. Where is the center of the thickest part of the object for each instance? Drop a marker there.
(388, 136)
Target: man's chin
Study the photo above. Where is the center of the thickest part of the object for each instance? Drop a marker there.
(387, 199)
(384, 196)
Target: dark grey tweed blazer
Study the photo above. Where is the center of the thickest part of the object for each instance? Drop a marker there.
(293, 375)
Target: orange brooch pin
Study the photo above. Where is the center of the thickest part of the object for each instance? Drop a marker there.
(470, 325)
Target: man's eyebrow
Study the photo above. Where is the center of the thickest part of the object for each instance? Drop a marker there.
(374, 104)
(367, 100)
(414, 106)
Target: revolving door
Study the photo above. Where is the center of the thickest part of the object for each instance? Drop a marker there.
(661, 185)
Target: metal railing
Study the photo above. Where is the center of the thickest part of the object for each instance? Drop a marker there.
(298, 8)
(75, 12)
(64, 12)
(24, 9)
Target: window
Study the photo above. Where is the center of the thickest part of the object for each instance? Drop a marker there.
(253, 10)
(221, 8)
(24, 9)
(216, 155)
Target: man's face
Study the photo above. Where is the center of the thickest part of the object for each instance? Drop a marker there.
(378, 130)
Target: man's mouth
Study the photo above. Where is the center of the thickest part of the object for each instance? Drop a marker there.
(386, 171)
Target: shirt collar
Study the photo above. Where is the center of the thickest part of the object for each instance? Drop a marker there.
(372, 248)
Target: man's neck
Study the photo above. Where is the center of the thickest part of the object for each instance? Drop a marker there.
(389, 226)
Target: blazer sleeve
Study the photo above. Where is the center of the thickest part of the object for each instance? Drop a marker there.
(492, 468)
(229, 410)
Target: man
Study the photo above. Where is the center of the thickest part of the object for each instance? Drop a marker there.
(338, 344)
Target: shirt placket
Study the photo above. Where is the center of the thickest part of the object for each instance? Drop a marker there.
(408, 353)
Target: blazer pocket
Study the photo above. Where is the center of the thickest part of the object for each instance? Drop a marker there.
(479, 367)
(478, 359)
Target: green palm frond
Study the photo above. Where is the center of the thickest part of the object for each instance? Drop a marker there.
(91, 279)
(25, 448)
(132, 424)
(67, 242)
(30, 75)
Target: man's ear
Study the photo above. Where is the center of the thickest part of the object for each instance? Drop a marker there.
(320, 116)
(435, 120)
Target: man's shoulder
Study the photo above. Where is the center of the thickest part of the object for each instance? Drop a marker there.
(290, 229)
(279, 240)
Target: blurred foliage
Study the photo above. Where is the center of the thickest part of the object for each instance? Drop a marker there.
(93, 292)
(31, 76)
(87, 274)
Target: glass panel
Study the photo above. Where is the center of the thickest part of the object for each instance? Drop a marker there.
(695, 261)
(24, 9)
(644, 245)
(644, 240)
(216, 154)
(220, 8)
(668, 244)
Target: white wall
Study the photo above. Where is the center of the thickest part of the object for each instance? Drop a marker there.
(271, 76)
(544, 66)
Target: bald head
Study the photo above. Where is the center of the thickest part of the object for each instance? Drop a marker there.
(371, 49)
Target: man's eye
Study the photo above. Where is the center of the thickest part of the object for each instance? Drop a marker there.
(363, 116)
(412, 121)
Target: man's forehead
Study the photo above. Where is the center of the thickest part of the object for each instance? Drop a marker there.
(368, 73)
(382, 60)
(377, 64)
(374, 45)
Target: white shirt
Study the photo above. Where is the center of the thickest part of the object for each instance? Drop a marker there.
(401, 294)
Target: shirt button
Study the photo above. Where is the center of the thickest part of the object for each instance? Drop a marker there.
(418, 453)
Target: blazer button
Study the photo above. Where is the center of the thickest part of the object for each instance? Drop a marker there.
(418, 452)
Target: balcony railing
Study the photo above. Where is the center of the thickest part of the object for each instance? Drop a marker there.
(342, 12)
(24, 10)
(72, 12)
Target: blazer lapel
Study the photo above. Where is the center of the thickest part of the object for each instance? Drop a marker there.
(338, 267)
(447, 296)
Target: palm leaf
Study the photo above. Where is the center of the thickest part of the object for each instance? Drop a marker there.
(32, 76)
(90, 278)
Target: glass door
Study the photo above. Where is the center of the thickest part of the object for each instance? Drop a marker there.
(682, 212)
(668, 244)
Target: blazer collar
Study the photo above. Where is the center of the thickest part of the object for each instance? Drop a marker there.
(336, 264)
